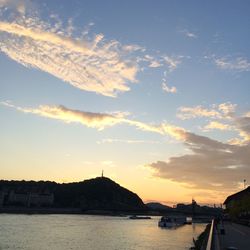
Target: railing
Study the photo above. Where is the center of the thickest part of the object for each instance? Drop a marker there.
(210, 237)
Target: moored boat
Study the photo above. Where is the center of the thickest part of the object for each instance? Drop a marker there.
(171, 221)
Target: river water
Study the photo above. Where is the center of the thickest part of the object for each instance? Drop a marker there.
(64, 232)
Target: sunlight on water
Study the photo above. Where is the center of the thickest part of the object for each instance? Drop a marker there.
(61, 232)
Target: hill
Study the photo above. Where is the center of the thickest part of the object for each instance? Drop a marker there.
(158, 206)
(95, 194)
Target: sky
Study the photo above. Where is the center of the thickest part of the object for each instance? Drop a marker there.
(155, 93)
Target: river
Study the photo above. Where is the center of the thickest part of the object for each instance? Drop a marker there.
(87, 232)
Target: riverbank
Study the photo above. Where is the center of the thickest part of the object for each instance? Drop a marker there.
(201, 240)
(26, 210)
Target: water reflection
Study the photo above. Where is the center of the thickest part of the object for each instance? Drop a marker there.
(54, 232)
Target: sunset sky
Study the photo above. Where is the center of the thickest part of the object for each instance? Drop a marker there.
(155, 93)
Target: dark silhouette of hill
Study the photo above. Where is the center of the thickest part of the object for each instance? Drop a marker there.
(158, 206)
(100, 193)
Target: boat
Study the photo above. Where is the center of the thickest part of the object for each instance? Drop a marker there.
(171, 221)
(135, 217)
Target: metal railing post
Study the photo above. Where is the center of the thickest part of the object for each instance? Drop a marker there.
(210, 237)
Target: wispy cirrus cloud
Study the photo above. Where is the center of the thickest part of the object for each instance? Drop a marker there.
(18, 5)
(87, 61)
(98, 65)
(90, 63)
(168, 89)
(238, 64)
(173, 61)
(223, 110)
(221, 117)
(170, 63)
(217, 125)
(165, 86)
(189, 34)
(238, 124)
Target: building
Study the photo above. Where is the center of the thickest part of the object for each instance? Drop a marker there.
(37, 200)
(238, 204)
(29, 199)
(17, 198)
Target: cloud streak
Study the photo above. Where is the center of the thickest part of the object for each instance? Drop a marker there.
(239, 64)
(89, 119)
(97, 120)
(217, 125)
(43, 36)
(221, 111)
(188, 34)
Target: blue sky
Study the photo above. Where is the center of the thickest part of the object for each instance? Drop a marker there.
(156, 93)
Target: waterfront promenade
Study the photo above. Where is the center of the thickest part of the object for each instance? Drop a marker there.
(237, 236)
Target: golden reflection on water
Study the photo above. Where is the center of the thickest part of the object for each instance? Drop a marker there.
(59, 232)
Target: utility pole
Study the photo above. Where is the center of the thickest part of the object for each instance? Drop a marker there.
(244, 181)
(193, 207)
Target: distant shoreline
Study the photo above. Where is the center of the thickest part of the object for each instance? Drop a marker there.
(23, 210)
